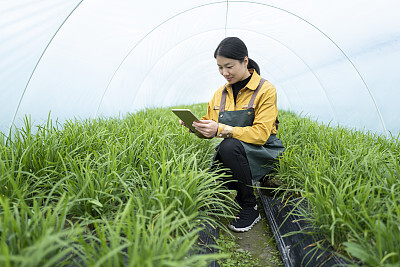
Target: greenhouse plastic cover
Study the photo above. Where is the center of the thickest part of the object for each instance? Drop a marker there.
(335, 61)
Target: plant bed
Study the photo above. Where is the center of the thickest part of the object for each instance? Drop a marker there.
(297, 248)
(350, 180)
(107, 192)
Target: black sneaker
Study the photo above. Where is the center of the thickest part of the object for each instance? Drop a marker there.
(246, 219)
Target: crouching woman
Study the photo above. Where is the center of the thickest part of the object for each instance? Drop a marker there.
(244, 113)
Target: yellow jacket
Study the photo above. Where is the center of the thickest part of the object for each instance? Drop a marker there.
(265, 111)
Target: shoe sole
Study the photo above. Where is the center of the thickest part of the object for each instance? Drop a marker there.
(245, 229)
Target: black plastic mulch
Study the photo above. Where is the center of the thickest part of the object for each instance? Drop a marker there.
(207, 242)
(296, 249)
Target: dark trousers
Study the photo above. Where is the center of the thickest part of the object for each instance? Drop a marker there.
(233, 156)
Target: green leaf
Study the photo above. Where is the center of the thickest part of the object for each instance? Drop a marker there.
(359, 252)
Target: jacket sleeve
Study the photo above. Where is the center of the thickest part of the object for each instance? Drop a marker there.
(208, 116)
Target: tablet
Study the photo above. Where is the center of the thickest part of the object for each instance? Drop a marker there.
(187, 117)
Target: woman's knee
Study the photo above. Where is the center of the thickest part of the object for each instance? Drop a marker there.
(230, 146)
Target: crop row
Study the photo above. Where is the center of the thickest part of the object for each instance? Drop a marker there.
(131, 191)
(351, 181)
(135, 191)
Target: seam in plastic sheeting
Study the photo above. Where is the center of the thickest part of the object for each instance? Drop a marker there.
(280, 43)
(341, 50)
(180, 13)
(308, 67)
(160, 58)
(282, 89)
(227, 6)
(40, 58)
(144, 37)
(226, 20)
(226, 15)
(184, 40)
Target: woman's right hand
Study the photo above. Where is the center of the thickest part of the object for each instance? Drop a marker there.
(207, 128)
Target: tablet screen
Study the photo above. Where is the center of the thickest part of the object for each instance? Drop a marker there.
(187, 117)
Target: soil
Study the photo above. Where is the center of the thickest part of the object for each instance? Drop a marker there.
(259, 241)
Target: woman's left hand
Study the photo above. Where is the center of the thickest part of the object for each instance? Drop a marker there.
(208, 128)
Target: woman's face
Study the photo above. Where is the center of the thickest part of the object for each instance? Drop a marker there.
(232, 70)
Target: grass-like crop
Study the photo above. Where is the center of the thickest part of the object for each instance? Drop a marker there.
(135, 191)
(130, 191)
(351, 181)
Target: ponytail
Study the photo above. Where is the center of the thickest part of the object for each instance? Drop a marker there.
(253, 65)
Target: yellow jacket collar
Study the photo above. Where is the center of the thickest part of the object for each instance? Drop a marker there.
(254, 81)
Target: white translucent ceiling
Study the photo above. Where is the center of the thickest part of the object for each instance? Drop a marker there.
(336, 61)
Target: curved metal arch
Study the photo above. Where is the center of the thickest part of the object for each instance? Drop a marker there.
(335, 44)
(37, 63)
(270, 75)
(226, 15)
(160, 58)
(264, 35)
(177, 82)
(283, 91)
(144, 37)
(307, 66)
(251, 2)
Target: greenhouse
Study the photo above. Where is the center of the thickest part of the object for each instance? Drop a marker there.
(95, 169)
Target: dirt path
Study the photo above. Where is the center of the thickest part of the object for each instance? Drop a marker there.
(260, 242)
(256, 247)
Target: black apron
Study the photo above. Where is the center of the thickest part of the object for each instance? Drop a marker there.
(262, 159)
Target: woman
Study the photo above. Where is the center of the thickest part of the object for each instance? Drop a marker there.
(244, 113)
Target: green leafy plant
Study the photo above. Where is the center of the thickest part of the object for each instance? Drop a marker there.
(112, 191)
(350, 180)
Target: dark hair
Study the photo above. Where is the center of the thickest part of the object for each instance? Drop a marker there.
(234, 48)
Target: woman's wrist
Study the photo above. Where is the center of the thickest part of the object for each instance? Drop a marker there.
(216, 132)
